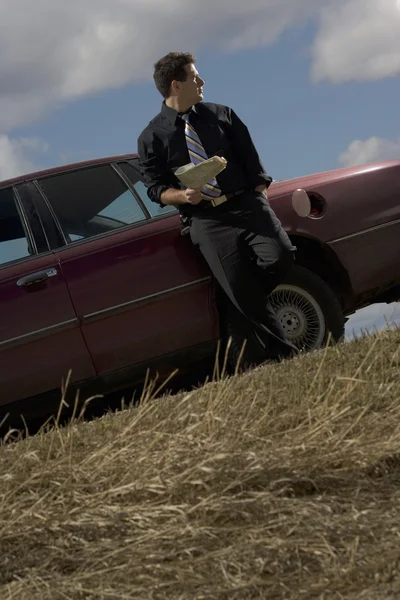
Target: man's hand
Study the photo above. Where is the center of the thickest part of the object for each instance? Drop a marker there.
(174, 197)
(261, 189)
(193, 196)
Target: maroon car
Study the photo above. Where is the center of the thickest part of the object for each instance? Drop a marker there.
(97, 280)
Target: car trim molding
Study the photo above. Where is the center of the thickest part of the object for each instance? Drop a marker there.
(39, 333)
(64, 325)
(364, 231)
(26, 225)
(49, 206)
(126, 305)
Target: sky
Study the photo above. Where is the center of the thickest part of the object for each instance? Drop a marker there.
(316, 81)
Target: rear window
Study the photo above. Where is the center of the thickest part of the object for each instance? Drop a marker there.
(90, 202)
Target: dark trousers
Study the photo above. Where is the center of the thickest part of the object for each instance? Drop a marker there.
(249, 253)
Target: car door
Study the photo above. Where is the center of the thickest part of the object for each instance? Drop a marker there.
(138, 287)
(40, 337)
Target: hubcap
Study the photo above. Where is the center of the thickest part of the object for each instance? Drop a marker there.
(300, 316)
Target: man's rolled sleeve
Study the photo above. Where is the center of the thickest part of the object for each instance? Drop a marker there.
(153, 168)
(247, 154)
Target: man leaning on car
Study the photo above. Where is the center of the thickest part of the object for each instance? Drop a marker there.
(231, 221)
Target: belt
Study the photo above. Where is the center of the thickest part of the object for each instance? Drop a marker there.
(224, 198)
(208, 204)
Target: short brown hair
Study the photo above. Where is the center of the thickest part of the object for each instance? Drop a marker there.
(171, 68)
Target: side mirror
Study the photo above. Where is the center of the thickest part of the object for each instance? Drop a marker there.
(301, 203)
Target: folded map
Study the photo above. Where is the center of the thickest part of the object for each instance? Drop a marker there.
(195, 176)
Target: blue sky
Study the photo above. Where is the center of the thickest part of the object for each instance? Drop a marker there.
(298, 127)
(317, 85)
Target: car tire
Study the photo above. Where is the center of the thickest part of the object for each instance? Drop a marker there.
(308, 309)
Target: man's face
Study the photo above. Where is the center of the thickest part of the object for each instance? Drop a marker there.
(191, 90)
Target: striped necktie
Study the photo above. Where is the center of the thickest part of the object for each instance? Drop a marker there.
(198, 155)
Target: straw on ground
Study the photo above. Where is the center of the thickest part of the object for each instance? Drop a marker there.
(283, 482)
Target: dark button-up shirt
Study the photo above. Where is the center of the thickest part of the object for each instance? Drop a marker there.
(162, 149)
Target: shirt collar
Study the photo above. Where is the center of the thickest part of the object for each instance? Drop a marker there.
(172, 115)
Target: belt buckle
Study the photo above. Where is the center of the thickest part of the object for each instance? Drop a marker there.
(218, 201)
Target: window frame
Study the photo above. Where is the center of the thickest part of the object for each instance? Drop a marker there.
(133, 162)
(59, 241)
(24, 220)
(26, 197)
(26, 225)
(132, 188)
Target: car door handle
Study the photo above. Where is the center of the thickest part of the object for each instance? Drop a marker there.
(36, 277)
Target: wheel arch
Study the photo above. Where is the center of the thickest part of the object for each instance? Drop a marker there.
(323, 261)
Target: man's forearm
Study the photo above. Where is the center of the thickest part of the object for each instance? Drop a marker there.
(173, 197)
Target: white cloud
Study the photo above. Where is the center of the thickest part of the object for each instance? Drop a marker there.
(17, 155)
(373, 149)
(357, 40)
(53, 52)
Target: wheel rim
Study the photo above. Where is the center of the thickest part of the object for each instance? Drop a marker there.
(300, 316)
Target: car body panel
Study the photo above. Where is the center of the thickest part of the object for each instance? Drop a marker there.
(372, 192)
(40, 336)
(139, 293)
(371, 257)
(354, 234)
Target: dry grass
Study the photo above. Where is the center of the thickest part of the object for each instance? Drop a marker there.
(280, 483)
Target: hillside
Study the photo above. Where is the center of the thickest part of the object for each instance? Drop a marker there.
(280, 483)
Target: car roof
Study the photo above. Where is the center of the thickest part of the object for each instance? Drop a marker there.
(325, 176)
(69, 167)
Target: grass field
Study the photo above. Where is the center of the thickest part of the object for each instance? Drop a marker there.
(280, 483)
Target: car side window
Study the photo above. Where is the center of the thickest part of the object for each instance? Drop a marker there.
(91, 202)
(154, 209)
(13, 241)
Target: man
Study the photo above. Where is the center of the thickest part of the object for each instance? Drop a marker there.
(231, 221)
